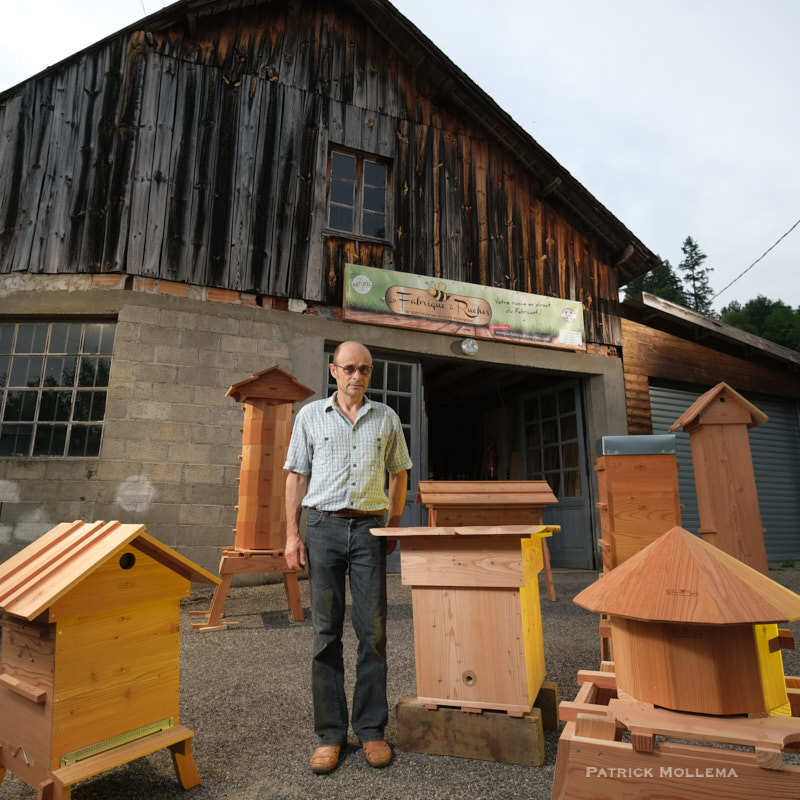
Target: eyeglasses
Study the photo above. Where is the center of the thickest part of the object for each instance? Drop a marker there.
(351, 368)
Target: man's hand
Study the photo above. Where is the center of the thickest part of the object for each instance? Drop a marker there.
(295, 553)
(295, 550)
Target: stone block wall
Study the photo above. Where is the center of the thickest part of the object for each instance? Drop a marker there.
(171, 440)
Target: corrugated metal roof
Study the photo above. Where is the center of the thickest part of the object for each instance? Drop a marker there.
(48, 568)
(681, 578)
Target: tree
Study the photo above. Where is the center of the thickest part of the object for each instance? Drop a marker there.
(695, 280)
(770, 319)
(661, 281)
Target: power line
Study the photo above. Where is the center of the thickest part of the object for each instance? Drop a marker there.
(756, 261)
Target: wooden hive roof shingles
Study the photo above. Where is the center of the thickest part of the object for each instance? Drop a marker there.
(681, 578)
(704, 409)
(33, 579)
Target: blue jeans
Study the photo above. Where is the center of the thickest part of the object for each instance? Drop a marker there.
(334, 547)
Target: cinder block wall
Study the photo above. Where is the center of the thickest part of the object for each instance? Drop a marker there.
(172, 441)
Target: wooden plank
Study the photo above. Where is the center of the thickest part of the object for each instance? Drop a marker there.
(488, 736)
(113, 587)
(459, 635)
(102, 762)
(474, 561)
(119, 672)
(590, 769)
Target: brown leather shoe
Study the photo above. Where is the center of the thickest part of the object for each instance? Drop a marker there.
(378, 753)
(325, 759)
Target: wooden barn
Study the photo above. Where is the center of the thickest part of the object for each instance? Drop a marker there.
(223, 187)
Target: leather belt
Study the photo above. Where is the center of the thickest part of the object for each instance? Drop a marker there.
(352, 513)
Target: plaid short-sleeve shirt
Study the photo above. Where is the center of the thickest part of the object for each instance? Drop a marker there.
(346, 463)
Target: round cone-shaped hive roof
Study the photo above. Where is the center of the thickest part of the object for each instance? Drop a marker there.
(681, 578)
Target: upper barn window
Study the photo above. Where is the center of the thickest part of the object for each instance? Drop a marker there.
(53, 386)
(357, 192)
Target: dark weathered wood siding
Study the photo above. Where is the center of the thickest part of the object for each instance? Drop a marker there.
(197, 153)
(650, 354)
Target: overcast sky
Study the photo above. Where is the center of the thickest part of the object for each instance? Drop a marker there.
(682, 117)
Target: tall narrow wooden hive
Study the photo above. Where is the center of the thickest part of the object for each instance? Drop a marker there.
(90, 654)
(638, 485)
(717, 424)
(684, 624)
(261, 513)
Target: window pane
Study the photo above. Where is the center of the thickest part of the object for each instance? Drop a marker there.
(20, 407)
(569, 455)
(15, 440)
(94, 371)
(343, 166)
(404, 409)
(405, 377)
(65, 337)
(4, 363)
(89, 406)
(50, 440)
(26, 371)
(60, 371)
(549, 408)
(6, 336)
(374, 200)
(554, 481)
(572, 483)
(569, 427)
(374, 225)
(550, 432)
(374, 174)
(55, 406)
(566, 401)
(84, 441)
(99, 338)
(31, 337)
(341, 218)
(551, 458)
(343, 192)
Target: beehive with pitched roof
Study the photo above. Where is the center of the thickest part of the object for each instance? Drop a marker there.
(90, 657)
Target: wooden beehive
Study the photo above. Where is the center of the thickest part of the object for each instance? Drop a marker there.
(268, 397)
(90, 660)
(638, 489)
(685, 619)
(261, 511)
(485, 502)
(717, 424)
(477, 619)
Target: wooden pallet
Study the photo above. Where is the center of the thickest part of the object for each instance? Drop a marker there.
(595, 762)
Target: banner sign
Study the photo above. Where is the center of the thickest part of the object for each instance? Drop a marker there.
(384, 297)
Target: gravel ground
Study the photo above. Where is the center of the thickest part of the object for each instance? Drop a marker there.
(245, 694)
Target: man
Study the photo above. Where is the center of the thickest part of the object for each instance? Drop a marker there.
(340, 451)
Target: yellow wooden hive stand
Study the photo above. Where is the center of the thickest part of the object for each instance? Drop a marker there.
(90, 660)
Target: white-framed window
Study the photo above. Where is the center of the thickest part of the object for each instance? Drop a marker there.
(358, 191)
(53, 387)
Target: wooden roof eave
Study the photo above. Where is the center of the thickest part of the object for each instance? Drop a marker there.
(680, 578)
(48, 568)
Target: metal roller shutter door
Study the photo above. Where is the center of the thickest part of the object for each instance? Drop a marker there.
(775, 447)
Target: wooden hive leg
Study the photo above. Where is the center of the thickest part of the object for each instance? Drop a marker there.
(217, 604)
(293, 595)
(183, 761)
(2, 768)
(53, 790)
